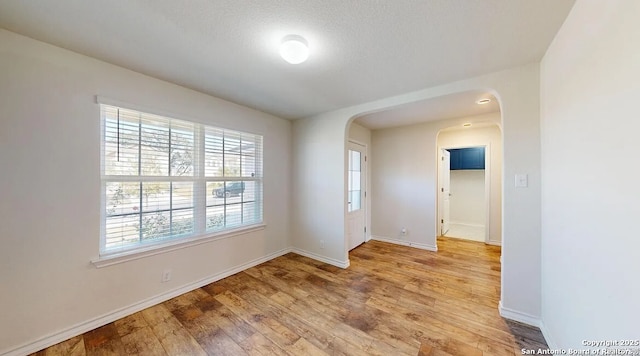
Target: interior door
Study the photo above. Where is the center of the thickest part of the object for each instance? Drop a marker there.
(445, 191)
(356, 195)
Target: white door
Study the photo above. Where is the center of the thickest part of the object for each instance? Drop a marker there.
(445, 193)
(356, 195)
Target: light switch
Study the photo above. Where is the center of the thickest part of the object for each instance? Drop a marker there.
(522, 180)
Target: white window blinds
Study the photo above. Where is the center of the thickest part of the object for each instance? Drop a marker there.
(164, 178)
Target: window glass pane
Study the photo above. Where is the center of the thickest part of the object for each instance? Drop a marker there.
(250, 213)
(215, 217)
(233, 214)
(248, 156)
(181, 222)
(250, 191)
(350, 181)
(354, 180)
(155, 225)
(215, 193)
(355, 200)
(155, 196)
(234, 192)
(122, 198)
(232, 152)
(122, 230)
(355, 184)
(182, 218)
(350, 160)
(355, 157)
(182, 140)
(182, 196)
(121, 134)
(231, 165)
(213, 149)
(154, 147)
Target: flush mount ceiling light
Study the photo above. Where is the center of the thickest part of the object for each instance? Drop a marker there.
(294, 49)
(483, 101)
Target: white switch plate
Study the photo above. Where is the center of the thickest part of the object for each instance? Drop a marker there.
(522, 180)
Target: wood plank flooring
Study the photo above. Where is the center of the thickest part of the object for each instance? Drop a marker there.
(392, 300)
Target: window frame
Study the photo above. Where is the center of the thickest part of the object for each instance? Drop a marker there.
(200, 233)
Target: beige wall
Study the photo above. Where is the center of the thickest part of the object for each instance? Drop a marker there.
(590, 124)
(491, 137)
(50, 194)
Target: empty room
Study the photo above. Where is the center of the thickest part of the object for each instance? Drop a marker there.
(411, 177)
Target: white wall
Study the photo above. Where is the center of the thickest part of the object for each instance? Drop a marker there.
(490, 136)
(467, 197)
(590, 89)
(319, 150)
(50, 192)
(361, 134)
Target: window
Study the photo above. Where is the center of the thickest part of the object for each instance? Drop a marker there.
(166, 179)
(354, 190)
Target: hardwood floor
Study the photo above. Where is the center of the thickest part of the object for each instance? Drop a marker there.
(393, 300)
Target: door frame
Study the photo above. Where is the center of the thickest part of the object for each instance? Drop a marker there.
(487, 186)
(440, 189)
(365, 186)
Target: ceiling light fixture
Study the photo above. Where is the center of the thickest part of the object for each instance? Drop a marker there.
(468, 124)
(294, 49)
(483, 101)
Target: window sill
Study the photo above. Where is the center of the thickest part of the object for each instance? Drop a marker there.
(156, 249)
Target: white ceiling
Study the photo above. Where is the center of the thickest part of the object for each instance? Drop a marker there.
(445, 107)
(361, 50)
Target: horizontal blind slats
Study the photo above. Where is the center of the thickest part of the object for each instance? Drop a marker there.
(149, 177)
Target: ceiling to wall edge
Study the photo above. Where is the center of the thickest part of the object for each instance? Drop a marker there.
(454, 106)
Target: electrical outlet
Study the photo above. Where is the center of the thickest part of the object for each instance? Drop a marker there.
(322, 244)
(166, 276)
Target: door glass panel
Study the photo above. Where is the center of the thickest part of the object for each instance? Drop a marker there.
(354, 181)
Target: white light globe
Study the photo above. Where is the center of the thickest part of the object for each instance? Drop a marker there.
(294, 49)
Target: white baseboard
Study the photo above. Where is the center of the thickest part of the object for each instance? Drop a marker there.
(465, 224)
(494, 243)
(547, 337)
(405, 243)
(518, 316)
(331, 261)
(110, 317)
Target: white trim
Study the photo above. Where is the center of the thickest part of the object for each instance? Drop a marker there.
(493, 242)
(439, 190)
(518, 316)
(487, 192)
(360, 143)
(465, 224)
(110, 317)
(331, 261)
(406, 243)
(547, 336)
(170, 245)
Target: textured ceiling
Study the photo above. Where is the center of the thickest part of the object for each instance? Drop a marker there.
(361, 50)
